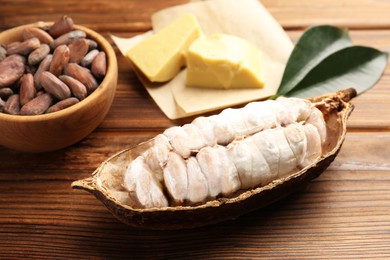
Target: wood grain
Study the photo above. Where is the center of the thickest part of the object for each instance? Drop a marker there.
(343, 214)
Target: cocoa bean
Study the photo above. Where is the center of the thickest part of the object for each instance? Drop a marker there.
(39, 54)
(11, 69)
(92, 45)
(87, 60)
(24, 48)
(12, 106)
(54, 86)
(43, 66)
(40, 92)
(99, 65)
(63, 25)
(82, 74)
(32, 32)
(30, 69)
(3, 52)
(78, 49)
(60, 58)
(6, 92)
(2, 105)
(67, 38)
(27, 90)
(76, 87)
(63, 104)
(37, 106)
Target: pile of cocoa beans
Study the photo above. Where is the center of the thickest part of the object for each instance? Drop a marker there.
(54, 67)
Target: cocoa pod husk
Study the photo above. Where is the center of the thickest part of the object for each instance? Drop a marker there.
(78, 49)
(63, 104)
(67, 38)
(39, 54)
(24, 48)
(87, 60)
(11, 69)
(60, 58)
(6, 92)
(76, 87)
(37, 106)
(82, 74)
(61, 26)
(99, 65)
(43, 66)
(27, 90)
(12, 106)
(32, 32)
(3, 52)
(54, 85)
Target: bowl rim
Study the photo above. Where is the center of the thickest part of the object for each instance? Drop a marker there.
(111, 67)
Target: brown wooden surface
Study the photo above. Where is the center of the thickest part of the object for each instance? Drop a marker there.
(345, 213)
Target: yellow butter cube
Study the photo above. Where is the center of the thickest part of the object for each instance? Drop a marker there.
(161, 56)
(224, 61)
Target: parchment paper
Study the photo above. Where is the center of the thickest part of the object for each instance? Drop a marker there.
(247, 19)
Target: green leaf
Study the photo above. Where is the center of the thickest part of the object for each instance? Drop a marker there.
(314, 45)
(358, 67)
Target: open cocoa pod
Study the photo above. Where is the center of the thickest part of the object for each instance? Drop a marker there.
(108, 182)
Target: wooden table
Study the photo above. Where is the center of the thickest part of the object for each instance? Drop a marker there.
(345, 213)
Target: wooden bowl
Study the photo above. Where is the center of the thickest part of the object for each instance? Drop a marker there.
(63, 128)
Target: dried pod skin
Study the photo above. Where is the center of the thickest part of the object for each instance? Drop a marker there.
(78, 48)
(54, 86)
(87, 60)
(24, 48)
(62, 105)
(6, 92)
(12, 106)
(67, 38)
(11, 69)
(106, 182)
(43, 66)
(60, 59)
(27, 90)
(62, 26)
(32, 32)
(76, 87)
(82, 74)
(37, 106)
(39, 54)
(99, 65)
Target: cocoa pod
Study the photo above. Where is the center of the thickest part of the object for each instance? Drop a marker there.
(6, 92)
(60, 58)
(2, 105)
(3, 52)
(76, 87)
(11, 69)
(87, 60)
(24, 48)
(99, 65)
(62, 26)
(78, 49)
(67, 38)
(39, 54)
(63, 104)
(27, 90)
(32, 32)
(82, 74)
(12, 106)
(37, 106)
(54, 86)
(43, 66)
